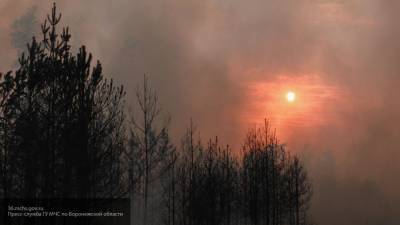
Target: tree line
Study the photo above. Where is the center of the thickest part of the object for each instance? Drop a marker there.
(211, 185)
(64, 133)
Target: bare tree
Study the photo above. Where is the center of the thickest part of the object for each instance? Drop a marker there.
(149, 146)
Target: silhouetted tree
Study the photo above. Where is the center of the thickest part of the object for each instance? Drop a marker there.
(189, 166)
(62, 123)
(170, 191)
(299, 192)
(150, 147)
(210, 186)
(5, 87)
(275, 187)
(205, 182)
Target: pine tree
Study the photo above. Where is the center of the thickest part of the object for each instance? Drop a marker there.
(62, 123)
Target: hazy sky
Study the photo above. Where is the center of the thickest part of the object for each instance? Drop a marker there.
(228, 64)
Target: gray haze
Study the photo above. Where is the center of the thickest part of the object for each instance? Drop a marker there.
(205, 57)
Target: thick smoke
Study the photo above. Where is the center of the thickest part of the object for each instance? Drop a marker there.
(203, 57)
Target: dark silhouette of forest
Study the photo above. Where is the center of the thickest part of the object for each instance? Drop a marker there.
(65, 133)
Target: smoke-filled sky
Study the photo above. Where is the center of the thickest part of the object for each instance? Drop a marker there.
(228, 64)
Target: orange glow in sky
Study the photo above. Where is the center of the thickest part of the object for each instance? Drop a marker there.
(292, 103)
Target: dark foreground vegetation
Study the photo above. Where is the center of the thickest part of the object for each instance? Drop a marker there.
(64, 133)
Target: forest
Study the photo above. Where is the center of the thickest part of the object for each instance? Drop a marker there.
(65, 132)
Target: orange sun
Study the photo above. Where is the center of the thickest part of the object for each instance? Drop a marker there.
(290, 96)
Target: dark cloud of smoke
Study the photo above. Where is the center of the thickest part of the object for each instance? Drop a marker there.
(23, 29)
(201, 55)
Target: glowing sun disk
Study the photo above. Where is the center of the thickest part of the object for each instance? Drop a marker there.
(291, 96)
